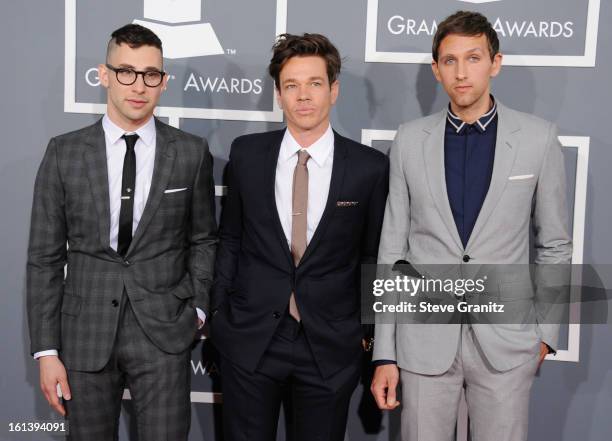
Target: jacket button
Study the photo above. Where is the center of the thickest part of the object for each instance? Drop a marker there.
(115, 303)
(466, 258)
(276, 314)
(126, 263)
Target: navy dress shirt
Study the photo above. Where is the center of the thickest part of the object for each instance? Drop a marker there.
(469, 151)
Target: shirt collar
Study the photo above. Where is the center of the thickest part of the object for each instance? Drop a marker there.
(146, 132)
(480, 124)
(319, 151)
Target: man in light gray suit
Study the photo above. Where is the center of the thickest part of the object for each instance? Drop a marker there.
(465, 184)
(127, 206)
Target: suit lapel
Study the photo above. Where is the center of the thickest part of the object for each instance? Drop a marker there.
(335, 185)
(97, 172)
(270, 176)
(506, 147)
(433, 153)
(165, 154)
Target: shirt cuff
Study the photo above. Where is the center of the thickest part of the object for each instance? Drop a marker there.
(377, 363)
(550, 349)
(201, 316)
(37, 355)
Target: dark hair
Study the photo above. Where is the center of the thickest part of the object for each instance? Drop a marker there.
(134, 36)
(467, 23)
(288, 46)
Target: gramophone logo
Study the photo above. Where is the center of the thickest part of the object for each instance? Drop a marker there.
(176, 22)
(215, 53)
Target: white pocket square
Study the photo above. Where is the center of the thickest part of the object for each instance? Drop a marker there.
(519, 177)
(175, 190)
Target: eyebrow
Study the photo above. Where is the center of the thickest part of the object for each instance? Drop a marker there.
(129, 66)
(290, 80)
(470, 51)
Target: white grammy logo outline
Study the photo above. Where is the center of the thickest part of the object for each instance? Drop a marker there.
(180, 40)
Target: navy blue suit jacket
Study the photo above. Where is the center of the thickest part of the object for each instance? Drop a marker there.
(255, 273)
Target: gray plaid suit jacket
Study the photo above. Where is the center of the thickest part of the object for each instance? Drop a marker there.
(166, 272)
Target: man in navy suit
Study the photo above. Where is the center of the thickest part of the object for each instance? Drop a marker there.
(304, 210)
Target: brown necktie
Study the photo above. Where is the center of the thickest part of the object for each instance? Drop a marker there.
(299, 223)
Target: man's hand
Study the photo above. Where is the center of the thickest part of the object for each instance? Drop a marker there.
(384, 385)
(52, 373)
(543, 353)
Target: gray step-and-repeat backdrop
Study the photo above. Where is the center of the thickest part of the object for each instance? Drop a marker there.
(557, 65)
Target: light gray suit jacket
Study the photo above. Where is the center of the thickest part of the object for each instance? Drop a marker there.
(419, 227)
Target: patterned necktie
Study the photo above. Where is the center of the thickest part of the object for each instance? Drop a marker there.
(128, 183)
(299, 221)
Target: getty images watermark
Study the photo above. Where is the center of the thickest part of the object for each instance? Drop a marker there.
(411, 286)
(484, 294)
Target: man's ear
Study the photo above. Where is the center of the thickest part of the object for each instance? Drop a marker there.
(335, 91)
(278, 97)
(165, 81)
(497, 64)
(435, 70)
(103, 75)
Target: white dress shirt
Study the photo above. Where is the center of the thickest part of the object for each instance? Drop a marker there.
(115, 154)
(145, 159)
(319, 176)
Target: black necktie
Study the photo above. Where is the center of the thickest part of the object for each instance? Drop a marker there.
(128, 183)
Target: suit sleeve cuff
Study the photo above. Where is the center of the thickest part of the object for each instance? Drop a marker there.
(201, 316)
(377, 363)
(39, 354)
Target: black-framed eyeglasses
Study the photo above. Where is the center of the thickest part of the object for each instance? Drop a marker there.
(128, 76)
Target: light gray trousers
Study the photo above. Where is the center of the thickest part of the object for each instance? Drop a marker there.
(498, 402)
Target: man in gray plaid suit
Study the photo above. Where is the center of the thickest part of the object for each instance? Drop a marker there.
(128, 205)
